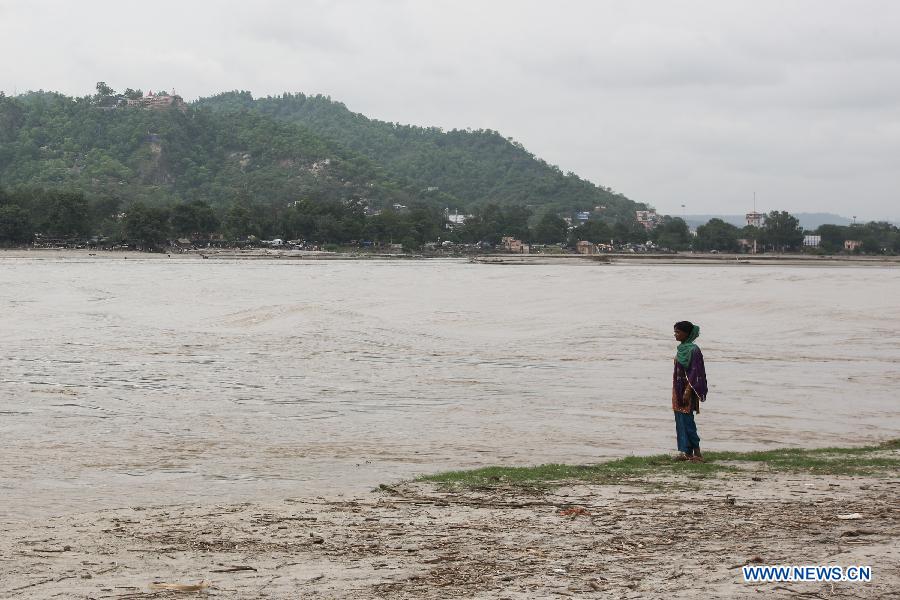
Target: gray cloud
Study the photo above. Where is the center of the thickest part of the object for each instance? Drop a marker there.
(698, 102)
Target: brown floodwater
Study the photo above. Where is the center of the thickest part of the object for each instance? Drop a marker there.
(130, 381)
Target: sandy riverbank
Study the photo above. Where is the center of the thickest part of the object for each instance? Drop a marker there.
(672, 536)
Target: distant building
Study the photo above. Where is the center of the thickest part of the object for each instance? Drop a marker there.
(582, 216)
(852, 245)
(812, 241)
(648, 218)
(511, 244)
(585, 247)
(755, 219)
(455, 218)
(157, 101)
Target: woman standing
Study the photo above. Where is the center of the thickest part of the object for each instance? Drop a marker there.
(688, 390)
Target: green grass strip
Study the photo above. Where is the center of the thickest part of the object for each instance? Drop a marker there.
(866, 460)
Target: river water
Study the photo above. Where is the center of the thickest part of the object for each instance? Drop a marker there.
(135, 381)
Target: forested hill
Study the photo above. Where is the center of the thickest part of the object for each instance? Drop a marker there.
(51, 141)
(473, 167)
(273, 151)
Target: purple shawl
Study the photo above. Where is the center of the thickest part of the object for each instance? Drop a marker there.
(695, 377)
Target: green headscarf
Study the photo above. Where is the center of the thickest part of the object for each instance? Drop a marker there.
(686, 347)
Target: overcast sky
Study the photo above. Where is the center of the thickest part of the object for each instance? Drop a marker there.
(670, 103)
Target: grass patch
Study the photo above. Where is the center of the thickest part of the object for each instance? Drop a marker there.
(614, 471)
(866, 460)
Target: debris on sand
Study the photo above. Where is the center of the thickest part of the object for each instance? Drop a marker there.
(432, 542)
(180, 587)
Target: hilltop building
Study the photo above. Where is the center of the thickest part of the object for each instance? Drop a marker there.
(156, 101)
(648, 218)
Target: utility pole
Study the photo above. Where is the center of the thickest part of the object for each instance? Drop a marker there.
(754, 212)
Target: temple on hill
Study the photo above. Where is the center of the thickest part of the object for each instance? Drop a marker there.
(158, 100)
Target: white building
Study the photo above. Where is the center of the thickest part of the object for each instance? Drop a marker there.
(812, 241)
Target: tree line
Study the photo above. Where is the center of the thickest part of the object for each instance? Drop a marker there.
(781, 232)
(28, 215)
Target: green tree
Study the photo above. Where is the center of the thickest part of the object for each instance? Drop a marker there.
(385, 227)
(194, 219)
(101, 208)
(630, 231)
(12, 118)
(782, 231)
(104, 90)
(833, 237)
(424, 224)
(147, 226)
(65, 214)
(595, 231)
(752, 234)
(329, 229)
(15, 225)
(877, 237)
(299, 222)
(672, 233)
(239, 223)
(492, 222)
(551, 229)
(716, 234)
(353, 219)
